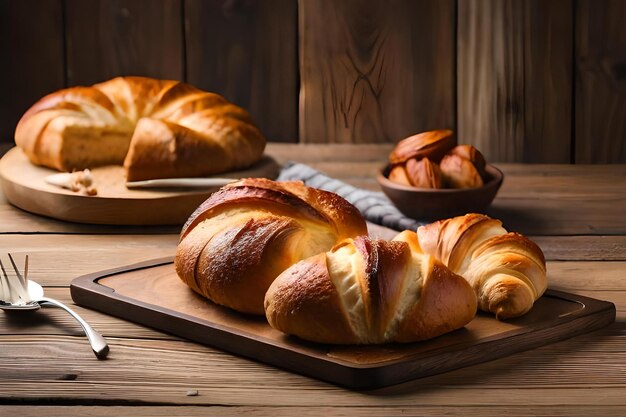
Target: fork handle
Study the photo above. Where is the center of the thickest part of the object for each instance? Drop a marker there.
(97, 342)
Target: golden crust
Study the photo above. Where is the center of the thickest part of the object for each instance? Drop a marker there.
(444, 239)
(405, 296)
(527, 246)
(506, 270)
(433, 145)
(424, 173)
(229, 278)
(240, 239)
(399, 175)
(409, 237)
(180, 152)
(291, 198)
(303, 301)
(447, 303)
(473, 155)
(193, 132)
(460, 172)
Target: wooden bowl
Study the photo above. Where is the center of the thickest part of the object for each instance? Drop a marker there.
(434, 204)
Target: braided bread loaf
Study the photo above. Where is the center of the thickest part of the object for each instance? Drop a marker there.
(506, 270)
(156, 128)
(369, 291)
(240, 239)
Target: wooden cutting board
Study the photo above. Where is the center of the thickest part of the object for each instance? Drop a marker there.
(24, 186)
(150, 293)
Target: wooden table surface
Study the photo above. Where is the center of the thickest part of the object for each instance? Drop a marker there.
(577, 214)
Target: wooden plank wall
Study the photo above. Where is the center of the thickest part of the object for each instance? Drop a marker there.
(378, 71)
(515, 78)
(600, 118)
(33, 61)
(247, 51)
(524, 80)
(105, 38)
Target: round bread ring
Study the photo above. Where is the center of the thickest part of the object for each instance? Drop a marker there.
(155, 128)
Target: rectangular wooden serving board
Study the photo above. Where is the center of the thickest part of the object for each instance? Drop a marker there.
(151, 294)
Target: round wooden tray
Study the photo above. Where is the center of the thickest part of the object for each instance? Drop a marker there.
(24, 186)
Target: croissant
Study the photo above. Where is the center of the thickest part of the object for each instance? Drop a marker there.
(464, 167)
(506, 270)
(473, 155)
(243, 236)
(433, 145)
(369, 291)
(422, 174)
(399, 175)
(155, 128)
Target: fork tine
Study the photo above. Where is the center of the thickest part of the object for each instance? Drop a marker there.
(5, 285)
(3, 271)
(26, 269)
(17, 271)
(21, 288)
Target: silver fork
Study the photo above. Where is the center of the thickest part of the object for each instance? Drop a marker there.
(24, 294)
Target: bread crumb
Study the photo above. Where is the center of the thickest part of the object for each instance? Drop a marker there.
(78, 182)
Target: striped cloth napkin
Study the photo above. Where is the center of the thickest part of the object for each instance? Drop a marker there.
(374, 206)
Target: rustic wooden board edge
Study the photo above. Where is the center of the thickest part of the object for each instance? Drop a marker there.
(584, 322)
(87, 292)
(85, 215)
(154, 207)
(83, 288)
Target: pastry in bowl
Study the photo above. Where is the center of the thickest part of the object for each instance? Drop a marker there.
(431, 160)
(464, 167)
(433, 145)
(155, 128)
(430, 177)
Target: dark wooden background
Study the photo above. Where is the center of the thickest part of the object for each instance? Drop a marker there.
(524, 80)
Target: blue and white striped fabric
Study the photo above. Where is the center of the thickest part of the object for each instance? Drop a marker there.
(374, 206)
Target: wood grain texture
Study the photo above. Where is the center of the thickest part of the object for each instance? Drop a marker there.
(600, 81)
(336, 152)
(554, 317)
(515, 78)
(316, 411)
(54, 321)
(375, 71)
(107, 38)
(537, 199)
(539, 202)
(25, 186)
(534, 199)
(149, 371)
(15, 220)
(56, 259)
(34, 63)
(582, 248)
(247, 51)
